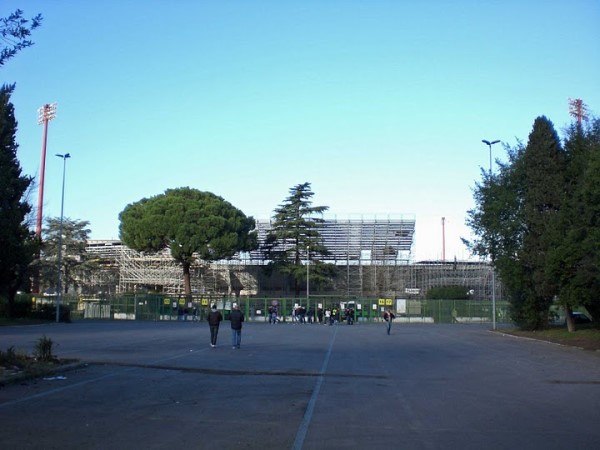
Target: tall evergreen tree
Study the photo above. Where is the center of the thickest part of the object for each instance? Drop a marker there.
(497, 221)
(576, 259)
(76, 263)
(517, 223)
(295, 238)
(543, 171)
(17, 242)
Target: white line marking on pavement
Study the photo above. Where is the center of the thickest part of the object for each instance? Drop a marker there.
(303, 429)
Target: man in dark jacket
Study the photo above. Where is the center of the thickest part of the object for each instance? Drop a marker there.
(214, 319)
(388, 317)
(236, 317)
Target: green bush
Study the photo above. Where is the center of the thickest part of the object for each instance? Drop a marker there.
(24, 308)
(43, 349)
(48, 313)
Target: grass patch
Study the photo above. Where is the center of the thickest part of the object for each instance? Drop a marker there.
(15, 364)
(585, 336)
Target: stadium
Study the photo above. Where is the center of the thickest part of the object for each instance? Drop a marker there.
(373, 258)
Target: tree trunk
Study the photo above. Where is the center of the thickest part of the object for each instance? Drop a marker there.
(65, 282)
(187, 285)
(10, 303)
(296, 287)
(569, 318)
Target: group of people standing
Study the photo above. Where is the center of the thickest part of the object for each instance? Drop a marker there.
(333, 315)
(236, 317)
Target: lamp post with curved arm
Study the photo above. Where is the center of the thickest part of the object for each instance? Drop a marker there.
(307, 274)
(489, 144)
(62, 204)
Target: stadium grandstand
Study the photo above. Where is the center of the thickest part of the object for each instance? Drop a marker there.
(373, 257)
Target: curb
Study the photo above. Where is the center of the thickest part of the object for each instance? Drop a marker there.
(26, 375)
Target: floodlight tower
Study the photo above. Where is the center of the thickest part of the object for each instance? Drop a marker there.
(578, 109)
(489, 144)
(443, 239)
(45, 114)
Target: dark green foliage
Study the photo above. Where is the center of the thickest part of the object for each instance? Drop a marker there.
(448, 293)
(17, 243)
(543, 168)
(518, 224)
(48, 313)
(188, 222)
(575, 261)
(76, 262)
(43, 350)
(13, 359)
(24, 308)
(539, 221)
(15, 31)
(295, 237)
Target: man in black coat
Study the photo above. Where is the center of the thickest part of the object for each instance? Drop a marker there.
(214, 320)
(236, 317)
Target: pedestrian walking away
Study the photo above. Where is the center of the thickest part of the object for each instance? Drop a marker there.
(388, 317)
(236, 317)
(214, 320)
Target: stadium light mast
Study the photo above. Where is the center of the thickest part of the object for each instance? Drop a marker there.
(578, 109)
(443, 239)
(45, 114)
(489, 144)
(60, 229)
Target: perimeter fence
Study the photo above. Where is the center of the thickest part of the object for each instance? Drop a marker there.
(157, 307)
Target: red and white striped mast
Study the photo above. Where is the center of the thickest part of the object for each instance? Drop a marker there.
(45, 114)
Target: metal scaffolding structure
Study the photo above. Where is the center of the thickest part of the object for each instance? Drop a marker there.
(373, 258)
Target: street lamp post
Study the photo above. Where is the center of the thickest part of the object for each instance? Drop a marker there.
(489, 144)
(62, 205)
(307, 274)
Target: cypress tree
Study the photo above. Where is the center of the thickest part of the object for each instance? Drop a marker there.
(543, 168)
(17, 242)
(576, 259)
(295, 235)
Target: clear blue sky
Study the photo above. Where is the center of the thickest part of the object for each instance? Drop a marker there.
(381, 105)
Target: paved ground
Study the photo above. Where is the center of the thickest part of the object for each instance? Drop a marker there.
(159, 385)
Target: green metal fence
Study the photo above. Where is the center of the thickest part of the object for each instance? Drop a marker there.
(158, 307)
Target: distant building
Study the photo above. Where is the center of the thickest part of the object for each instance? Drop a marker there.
(374, 258)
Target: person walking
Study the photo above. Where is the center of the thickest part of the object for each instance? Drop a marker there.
(388, 317)
(236, 317)
(214, 320)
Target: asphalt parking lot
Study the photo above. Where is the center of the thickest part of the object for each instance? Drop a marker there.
(157, 385)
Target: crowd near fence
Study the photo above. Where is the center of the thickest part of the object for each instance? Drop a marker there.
(160, 307)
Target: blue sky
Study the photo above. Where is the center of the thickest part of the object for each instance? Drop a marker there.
(381, 105)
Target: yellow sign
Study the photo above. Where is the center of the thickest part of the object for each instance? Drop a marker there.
(166, 301)
(204, 302)
(385, 302)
